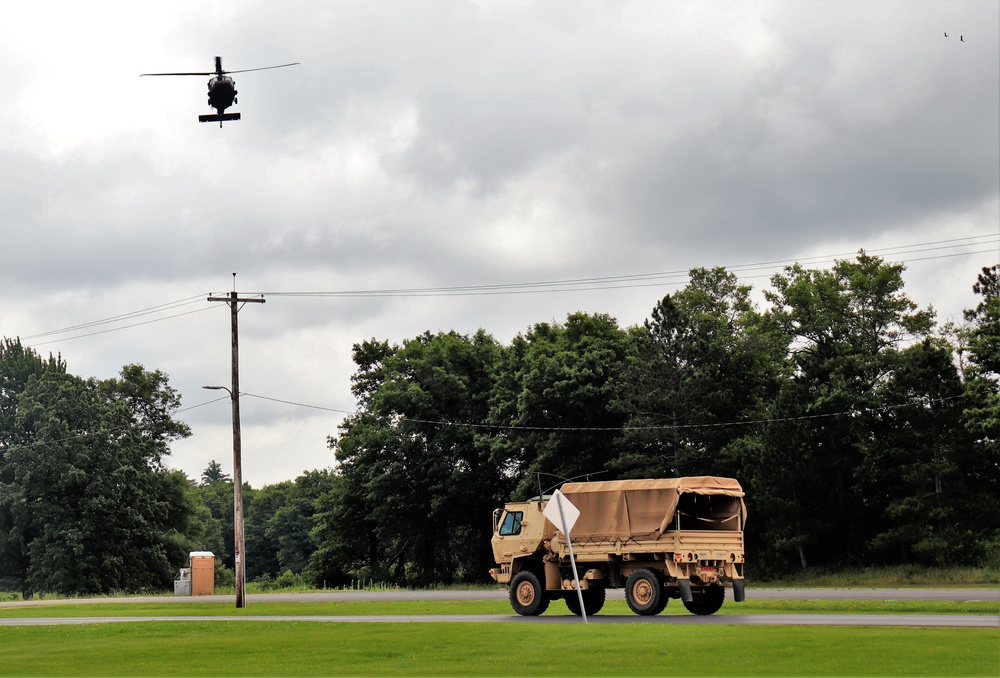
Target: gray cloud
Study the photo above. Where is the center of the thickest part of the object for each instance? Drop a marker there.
(435, 144)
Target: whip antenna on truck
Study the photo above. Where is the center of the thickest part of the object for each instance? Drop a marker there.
(539, 474)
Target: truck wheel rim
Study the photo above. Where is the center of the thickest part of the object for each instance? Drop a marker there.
(525, 593)
(642, 592)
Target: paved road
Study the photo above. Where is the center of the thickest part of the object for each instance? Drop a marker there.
(961, 595)
(921, 620)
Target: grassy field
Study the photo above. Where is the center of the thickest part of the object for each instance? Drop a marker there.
(488, 649)
(492, 649)
(889, 577)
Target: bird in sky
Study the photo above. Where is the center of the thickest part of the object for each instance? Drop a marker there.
(962, 38)
(946, 34)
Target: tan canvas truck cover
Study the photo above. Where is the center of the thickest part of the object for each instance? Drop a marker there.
(642, 509)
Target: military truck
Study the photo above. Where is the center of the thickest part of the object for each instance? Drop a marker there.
(658, 539)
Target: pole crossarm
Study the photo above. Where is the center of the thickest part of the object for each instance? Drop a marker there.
(239, 300)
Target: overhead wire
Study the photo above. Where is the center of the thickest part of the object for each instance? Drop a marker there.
(548, 429)
(123, 327)
(290, 402)
(921, 401)
(627, 281)
(646, 279)
(118, 318)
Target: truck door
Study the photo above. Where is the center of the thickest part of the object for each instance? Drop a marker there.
(511, 523)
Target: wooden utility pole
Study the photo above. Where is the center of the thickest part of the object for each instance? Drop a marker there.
(234, 300)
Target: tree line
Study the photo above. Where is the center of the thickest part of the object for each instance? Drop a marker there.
(864, 433)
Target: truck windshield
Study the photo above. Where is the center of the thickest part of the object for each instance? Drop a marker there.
(511, 523)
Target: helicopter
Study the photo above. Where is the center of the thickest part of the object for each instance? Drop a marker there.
(222, 90)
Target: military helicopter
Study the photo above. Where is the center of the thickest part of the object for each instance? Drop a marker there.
(222, 90)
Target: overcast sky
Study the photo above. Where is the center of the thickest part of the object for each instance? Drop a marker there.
(462, 145)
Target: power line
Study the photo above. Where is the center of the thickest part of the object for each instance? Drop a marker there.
(115, 329)
(125, 316)
(289, 402)
(110, 431)
(207, 402)
(653, 427)
(629, 281)
(639, 280)
(551, 429)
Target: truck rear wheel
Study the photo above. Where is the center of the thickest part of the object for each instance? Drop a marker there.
(644, 592)
(706, 601)
(593, 600)
(527, 596)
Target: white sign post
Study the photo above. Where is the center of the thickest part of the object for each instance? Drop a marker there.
(561, 512)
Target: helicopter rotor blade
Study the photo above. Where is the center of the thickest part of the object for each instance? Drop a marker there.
(266, 68)
(144, 74)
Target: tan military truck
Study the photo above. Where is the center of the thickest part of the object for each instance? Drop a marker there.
(659, 539)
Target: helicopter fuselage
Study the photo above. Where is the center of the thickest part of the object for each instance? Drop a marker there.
(221, 92)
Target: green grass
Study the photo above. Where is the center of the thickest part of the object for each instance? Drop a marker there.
(498, 649)
(484, 607)
(888, 577)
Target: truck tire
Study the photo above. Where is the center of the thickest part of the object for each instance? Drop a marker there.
(644, 592)
(706, 601)
(593, 600)
(527, 596)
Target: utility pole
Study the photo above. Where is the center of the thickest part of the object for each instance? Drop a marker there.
(234, 300)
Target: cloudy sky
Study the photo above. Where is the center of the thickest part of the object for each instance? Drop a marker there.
(524, 159)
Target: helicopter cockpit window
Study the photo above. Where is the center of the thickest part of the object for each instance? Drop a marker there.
(511, 523)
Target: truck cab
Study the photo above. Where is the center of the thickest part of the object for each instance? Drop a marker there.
(519, 532)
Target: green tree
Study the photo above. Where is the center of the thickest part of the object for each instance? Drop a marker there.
(415, 466)
(280, 524)
(846, 328)
(18, 364)
(704, 361)
(982, 405)
(292, 525)
(213, 510)
(347, 547)
(554, 398)
(918, 464)
(983, 412)
(93, 509)
(213, 473)
(262, 550)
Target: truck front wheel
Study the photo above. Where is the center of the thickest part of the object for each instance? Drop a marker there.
(527, 596)
(644, 592)
(706, 601)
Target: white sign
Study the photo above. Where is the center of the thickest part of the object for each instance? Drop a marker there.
(561, 512)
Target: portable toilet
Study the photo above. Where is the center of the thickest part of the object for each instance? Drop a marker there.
(202, 573)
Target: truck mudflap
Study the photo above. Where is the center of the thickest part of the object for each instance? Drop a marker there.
(739, 590)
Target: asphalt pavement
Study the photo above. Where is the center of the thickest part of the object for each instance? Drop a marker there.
(898, 620)
(960, 595)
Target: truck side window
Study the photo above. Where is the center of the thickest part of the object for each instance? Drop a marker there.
(511, 523)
